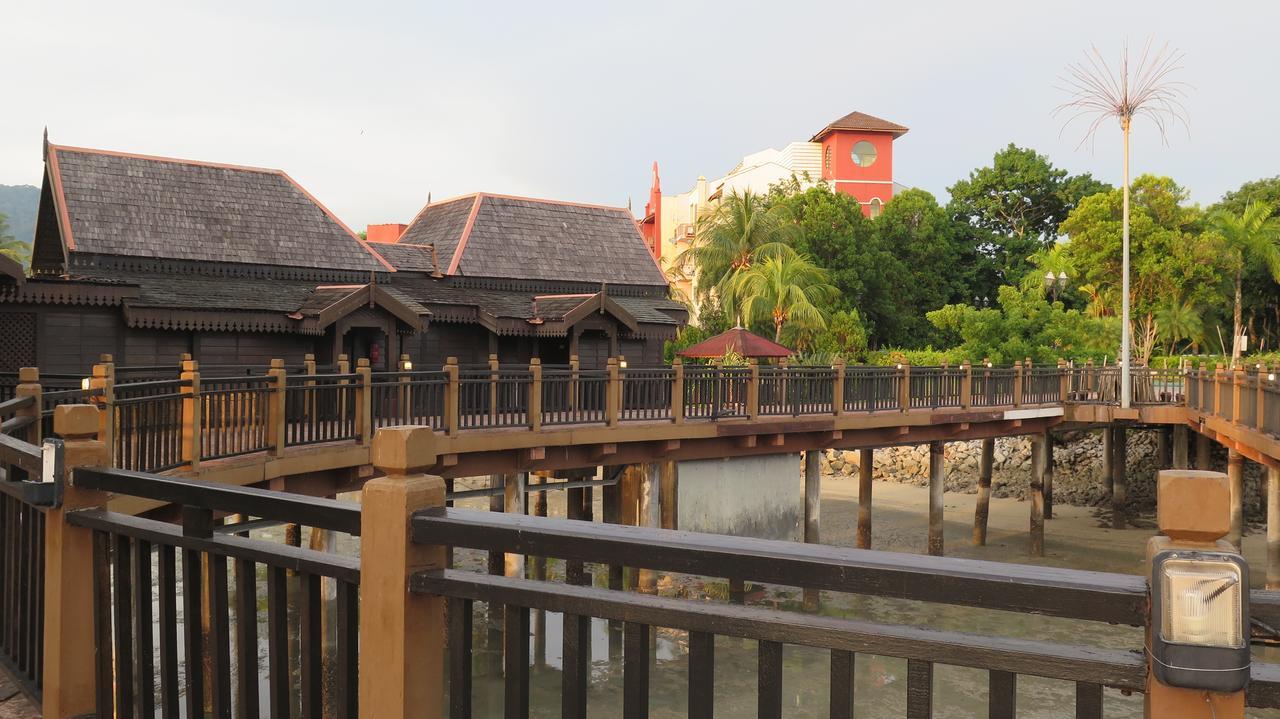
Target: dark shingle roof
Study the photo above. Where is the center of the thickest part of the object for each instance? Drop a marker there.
(414, 258)
(860, 121)
(185, 291)
(120, 204)
(519, 304)
(521, 238)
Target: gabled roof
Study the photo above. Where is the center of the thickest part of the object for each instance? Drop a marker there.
(860, 121)
(486, 235)
(740, 341)
(116, 203)
(329, 303)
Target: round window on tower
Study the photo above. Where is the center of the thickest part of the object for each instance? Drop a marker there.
(863, 154)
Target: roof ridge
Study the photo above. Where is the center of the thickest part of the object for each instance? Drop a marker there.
(161, 158)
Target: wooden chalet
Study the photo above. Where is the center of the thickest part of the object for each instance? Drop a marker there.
(148, 257)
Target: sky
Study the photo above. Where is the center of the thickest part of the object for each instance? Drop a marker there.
(372, 106)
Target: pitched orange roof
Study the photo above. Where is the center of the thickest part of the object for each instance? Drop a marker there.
(860, 121)
(738, 340)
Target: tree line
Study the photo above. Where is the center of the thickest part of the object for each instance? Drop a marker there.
(1023, 261)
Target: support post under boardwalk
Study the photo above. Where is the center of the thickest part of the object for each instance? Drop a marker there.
(1204, 451)
(1235, 476)
(1108, 456)
(812, 512)
(497, 503)
(1273, 528)
(401, 633)
(937, 478)
(514, 493)
(1180, 448)
(668, 493)
(1047, 482)
(1119, 455)
(1162, 448)
(981, 512)
(649, 514)
(866, 465)
(1039, 444)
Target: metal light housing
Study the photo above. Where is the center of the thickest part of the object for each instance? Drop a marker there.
(1200, 619)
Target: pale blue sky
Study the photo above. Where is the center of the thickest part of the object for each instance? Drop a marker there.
(372, 105)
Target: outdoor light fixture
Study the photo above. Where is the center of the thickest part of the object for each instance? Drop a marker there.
(1271, 377)
(84, 384)
(408, 365)
(622, 364)
(1200, 612)
(1055, 283)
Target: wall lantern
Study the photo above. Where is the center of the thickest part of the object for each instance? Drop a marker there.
(84, 384)
(408, 366)
(622, 364)
(1200, 608)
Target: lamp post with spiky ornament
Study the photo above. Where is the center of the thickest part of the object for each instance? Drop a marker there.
(1099, 92)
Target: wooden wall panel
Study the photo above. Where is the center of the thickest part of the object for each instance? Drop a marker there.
(71, 339)
(154, 347)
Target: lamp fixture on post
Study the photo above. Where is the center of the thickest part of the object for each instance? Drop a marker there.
(1054, 284)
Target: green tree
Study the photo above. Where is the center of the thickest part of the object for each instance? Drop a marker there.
(1016, 205)
(787, 290)
(835, 234)
(740, 231)
(1252, 236)
(12, 248)
(1179, 321)
(930, 251)
(1170, 255)
(1261, 301)
(845, 335)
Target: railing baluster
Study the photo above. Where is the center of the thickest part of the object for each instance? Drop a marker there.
(347, 681)
(145, 693)
(769, 670)
(193, 637)
(919, 689)
(516, 661)
(1002, 694)
(166, 576)
(220, 631)
(460, 625)
(102, 623)
(842, 684)
(278, 641)
(123, 624)
(635, 671)
(702, 669)
(1088, 700)
(310, 646)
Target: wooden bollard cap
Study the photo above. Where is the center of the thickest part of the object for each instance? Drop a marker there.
(1193, 505)
(404, 450)
(73, 421)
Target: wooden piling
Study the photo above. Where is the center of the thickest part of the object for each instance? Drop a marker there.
(937, 478)
(514, 503)
(1235, 477)
(866, 465)
(1273, 528)
(1119, 455)
(1039, 444)
(1047, 480)
(649, 514)
(812, 512)
(497, 503)
(667, 494)
(1180, 459)
(1204, 452)
(1108, 457)
(986, 461)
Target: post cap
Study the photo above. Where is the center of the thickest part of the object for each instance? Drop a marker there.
(309, 357)
(190, 365)
(362, 362)
(277, 364)
(105, 357)
(535, 361)
(75, 421)
(452, 360)
(1193, 505)
(29, 374)
(403, 450)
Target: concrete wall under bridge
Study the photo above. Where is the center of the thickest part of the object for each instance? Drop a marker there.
(743, 496)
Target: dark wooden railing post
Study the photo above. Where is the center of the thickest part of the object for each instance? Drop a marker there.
(191, 414)
(677, 391)
(1064, 381)
(276, 401)
(904, 386)
(452, 394)
(1237, 382)
(574, 369)
(753, 389)
(401, 633)
(1217, 389)
(364, 401)
(495, 372)
(611, 394)
(1017, 383)
(29, 386)
(344, 367)
(1260, 418)
(535, 394)
(966, 385)
(308, 363)
(71, 686)
(837, 387)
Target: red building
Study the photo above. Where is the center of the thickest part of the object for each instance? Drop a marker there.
(857, 158)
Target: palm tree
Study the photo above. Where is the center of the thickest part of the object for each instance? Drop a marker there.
(1178, 320)
(1053, 259)
(1251, 236)
(1098, 92)
(786, 289)
(740, 231)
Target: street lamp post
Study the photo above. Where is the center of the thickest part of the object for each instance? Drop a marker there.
(1054, 284)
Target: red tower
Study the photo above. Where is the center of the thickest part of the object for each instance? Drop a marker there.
(651, 225)
(857, 158)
